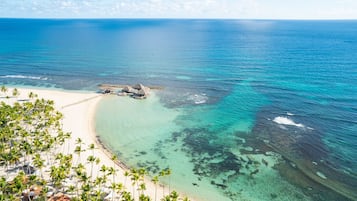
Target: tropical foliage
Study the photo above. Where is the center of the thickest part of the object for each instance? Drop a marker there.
(32, 157)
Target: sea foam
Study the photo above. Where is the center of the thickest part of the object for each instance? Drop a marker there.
(24, 77)
(198, 98)
(287, 121)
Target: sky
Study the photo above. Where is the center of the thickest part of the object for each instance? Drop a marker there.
(227, 9)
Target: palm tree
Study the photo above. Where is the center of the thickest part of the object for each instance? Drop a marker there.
(119, 188)
(19, 183)
(142, 172)
(67, 136)
(114, 158)
(79, 170)
(39, 163)
(27, 148)
(144, 198)
(97, 161)
(57, 175)
(99, 181)
(134, 178)
(3, 89)
(168, 173)
(32, 95)
(142, 188)
(14, 156)
(79, 141)
(91, 159)
(174, 196)
(85, 186)
(112, 171)
(155, 180)
(78, 150)
(113, 187)
(15, 92)
(103, 169)
(162, 173)
(3, 185)
(126, 174)
(127, 196)
(71, 188)
(91, 147)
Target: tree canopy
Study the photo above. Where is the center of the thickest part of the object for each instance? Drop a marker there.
(31, 136)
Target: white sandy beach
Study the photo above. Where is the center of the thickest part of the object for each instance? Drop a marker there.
(78, 109)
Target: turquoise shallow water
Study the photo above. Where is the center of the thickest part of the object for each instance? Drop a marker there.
(235, 92)
(199, 144)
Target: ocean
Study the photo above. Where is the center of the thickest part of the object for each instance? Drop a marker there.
(250, 110)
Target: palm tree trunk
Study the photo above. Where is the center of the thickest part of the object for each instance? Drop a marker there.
(163, 191)
(91, 170)
(169, 184)
(77, 188)
(133, 191)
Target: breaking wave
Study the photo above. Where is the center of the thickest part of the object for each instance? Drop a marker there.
(198, 98)
(24, 77)
(287, 121)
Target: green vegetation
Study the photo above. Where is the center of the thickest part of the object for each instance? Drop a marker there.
(34, 165)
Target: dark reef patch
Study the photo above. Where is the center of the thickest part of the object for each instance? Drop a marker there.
(305, 154)
(301, 149)
(301, 152)
(209, 159)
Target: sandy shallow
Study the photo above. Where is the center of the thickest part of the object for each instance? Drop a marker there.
(79, 109)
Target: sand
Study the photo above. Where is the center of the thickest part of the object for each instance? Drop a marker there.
(79, 109)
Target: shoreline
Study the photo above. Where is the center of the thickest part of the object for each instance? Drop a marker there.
(161, 188)
(78, 111)
(107, 152)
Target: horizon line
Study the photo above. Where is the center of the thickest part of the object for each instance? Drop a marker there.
(171, 18)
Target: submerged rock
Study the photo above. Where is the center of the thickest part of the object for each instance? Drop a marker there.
(264, 162)
(254, 172)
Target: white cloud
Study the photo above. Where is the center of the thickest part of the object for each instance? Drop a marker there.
(299, 9)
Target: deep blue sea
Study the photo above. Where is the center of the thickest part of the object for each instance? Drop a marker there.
(265, 110)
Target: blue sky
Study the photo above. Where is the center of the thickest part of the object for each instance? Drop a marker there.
(240, 9)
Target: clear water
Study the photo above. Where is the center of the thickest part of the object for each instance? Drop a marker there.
(226, 83)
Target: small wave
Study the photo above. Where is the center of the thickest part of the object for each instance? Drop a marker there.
(320, 174)
(198, 98)
(287, 121)
(24, 77)
(290, 114)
